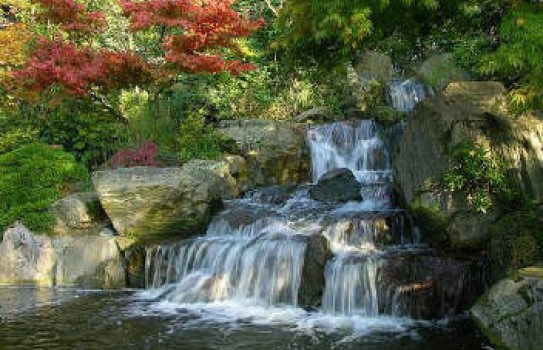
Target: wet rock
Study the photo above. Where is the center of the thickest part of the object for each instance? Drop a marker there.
(89, 261)
(440, 70)
(79, 213)
(465, 111)
(317, 253)
(511, 314)
(338, 185)
(26, 258)
(135, 266)
(147, 202)
(275, 151)
(425, 286)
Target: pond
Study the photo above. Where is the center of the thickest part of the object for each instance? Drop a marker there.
(45, 318)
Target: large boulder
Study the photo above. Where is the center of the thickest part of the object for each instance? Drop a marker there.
(440, 70)
(275, 151)
(317, 254)
(26, 258)
(145, 202)
(78, 213)
(425, 285)
(511, 314)
(375, 66)
(338, 185)
(89, 261)
(465, 111)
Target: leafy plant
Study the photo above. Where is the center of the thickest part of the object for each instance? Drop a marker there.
(518, 57)
(477, 174)
(145, 155)
(200, 141)
(33, 177)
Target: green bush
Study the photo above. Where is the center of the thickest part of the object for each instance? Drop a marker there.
(32, 177)
(478, 175)
(200, 141)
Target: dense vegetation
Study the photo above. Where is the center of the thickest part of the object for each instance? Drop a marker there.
(98, 77)
(33, 177)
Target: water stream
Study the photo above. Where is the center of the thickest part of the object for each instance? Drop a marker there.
(254, 279)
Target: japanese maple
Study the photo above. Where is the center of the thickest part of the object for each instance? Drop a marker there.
(195, 36)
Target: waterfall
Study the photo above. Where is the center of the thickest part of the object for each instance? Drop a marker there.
(405, 95)
(357, 147)
(261, 262)
(261, 250)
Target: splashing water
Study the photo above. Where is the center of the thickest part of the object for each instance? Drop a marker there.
(405, 95)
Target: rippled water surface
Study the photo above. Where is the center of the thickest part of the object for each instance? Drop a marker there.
(34, 318)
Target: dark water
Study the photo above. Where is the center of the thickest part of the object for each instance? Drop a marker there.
(36, 318)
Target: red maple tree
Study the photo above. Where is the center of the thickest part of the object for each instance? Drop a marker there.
(196, 32)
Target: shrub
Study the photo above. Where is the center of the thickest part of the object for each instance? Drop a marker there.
(145, 155)
(32, 177)
(200, 141)
(478, 175)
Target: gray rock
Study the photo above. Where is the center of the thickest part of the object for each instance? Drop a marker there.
(26, 258)
(146, 202)
(338, 185)
(317, 253)
(316, 114)
(275, 151)
(465, 111)
(375, 66)
(78, 213)
(440, 70)
(511, 314)
(89, 261)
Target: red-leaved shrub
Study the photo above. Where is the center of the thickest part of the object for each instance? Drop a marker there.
(145, 155)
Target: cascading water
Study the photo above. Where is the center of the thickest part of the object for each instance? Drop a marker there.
(357, 147)
(259, 253)
(405, 95)
(261, 262)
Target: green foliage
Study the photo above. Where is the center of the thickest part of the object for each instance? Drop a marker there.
(478, 175)
(431, 221)
(33, 177)
(340, 26)
(16, 137)
(200, 141)
(518, 58)
(82, 129)
(516, 240)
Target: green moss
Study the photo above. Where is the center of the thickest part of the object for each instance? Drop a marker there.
(33, 177)
(431, 221)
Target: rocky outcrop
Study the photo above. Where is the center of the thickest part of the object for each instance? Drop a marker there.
(423, 285)
(466, 111)
(440, 70)
(375, 66)
(316, 114)
(26, 258)
(149, 202)
(78, 213)
(88, 261)
(275, 151)
(338, 185)
(511, 314)
(311, 288)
